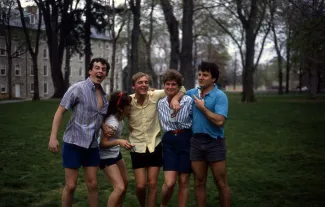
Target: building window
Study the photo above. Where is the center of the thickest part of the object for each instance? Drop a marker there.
(45, 53)
(2, 50)
(3, 88)
(32, 87)
(31, 70)
(3, 70)
(45, 72)
(80, 57)
(32, 19)
(80, 71)
(17, 70)
(45, 88)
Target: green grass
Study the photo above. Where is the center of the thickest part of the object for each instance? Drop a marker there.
(276, 156)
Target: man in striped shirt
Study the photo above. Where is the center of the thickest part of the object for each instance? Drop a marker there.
(176, 139)
(88, 103)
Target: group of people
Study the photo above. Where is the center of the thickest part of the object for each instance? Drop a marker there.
(193, 139)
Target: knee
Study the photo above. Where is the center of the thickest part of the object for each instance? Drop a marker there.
(222, 184)
(169, 184)
(119, 189)
(91, 184)
(199, 181)
(141, 187)
(152, 184)
(183, 184)
(70, 187)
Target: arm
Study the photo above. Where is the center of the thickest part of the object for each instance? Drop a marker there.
(54, 143)
(216, 119)
(174, 104)
(106, 142)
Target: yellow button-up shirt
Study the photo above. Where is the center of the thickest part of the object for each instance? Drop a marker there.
(144, 125)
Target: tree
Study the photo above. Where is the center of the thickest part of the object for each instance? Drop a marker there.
(58, 19)
(135, 6)
(32, 52)
(7, 17)
(251, 15)
(113, 13)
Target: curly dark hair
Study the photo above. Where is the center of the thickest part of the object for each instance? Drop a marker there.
(117, 101)
(172, 74)
(211, 68)
(101, 60)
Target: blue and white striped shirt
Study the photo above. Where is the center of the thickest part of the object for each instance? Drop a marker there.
(183, 117)
(85, 122)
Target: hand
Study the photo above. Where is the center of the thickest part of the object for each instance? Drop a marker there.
(199, 103)
(125, 144)
(53, 145)
(107, 130)
(174, 104)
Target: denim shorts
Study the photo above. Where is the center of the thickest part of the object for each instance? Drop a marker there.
(74, 156)
(206, 148)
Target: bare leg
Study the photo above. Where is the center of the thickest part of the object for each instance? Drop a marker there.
(71, 177)
(219, 172)
(153, 173)
(113, 175)
(140, 180)
(91, 182)
(124, 174)
(168, 187)
(200, 170)
(183, 186)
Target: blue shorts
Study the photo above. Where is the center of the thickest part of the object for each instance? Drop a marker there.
(176, 151)
(109, 161)
(74, 156)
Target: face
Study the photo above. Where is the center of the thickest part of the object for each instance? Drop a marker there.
(98, 73)
(205, 79)
(141, 85)
(126, 110)
(171, 88)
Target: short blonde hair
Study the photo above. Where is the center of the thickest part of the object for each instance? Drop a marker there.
(139, 75)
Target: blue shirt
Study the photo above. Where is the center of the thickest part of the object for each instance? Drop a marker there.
(183, 117)
(83, 127)
(217, 102)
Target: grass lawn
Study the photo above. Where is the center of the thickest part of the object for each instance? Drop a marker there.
(276, 156)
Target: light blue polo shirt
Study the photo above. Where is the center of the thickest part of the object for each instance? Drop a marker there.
(217, 102)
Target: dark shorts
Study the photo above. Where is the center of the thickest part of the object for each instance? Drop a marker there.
(109, 161)
(147, 159)
(74, 156)
(176, 151)
(206, 148)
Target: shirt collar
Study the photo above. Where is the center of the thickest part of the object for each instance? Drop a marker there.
(92, 86)
(215, 87)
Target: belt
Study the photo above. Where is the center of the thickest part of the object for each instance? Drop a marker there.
(177, 131)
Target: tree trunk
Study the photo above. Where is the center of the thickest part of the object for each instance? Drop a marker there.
(67, 67)
(36, 82)
(172, 24)
(87, 27)
(9, 77)
(135, 35)
(248, 84)
(187, 44)
(288, 64)
(127, 69)
(111, 79)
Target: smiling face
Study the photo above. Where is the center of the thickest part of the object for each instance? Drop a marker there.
(141, 85)
(205, 79)
(98, 72)
(171, 88)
